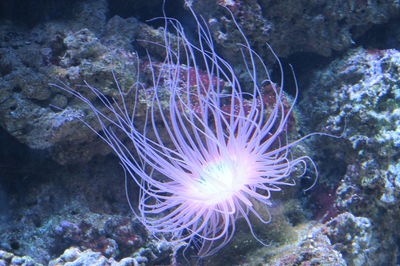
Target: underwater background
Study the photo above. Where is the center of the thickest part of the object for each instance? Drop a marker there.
(62, 190)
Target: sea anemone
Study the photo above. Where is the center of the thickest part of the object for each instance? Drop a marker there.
(211, 149)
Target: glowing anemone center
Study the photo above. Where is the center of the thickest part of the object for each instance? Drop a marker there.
(220, 180)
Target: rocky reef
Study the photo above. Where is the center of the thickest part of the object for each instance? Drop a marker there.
(63, 194)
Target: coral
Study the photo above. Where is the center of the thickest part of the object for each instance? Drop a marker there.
(296, 26)
(352, 236)
(30, 59)
(7, 258)
(78, 206)
(74, 256)
(27, 60)
(344, 240)
(363, 92)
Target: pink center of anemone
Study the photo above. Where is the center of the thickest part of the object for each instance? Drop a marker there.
(220, 180)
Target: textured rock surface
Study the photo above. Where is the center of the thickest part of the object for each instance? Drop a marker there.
(7, 258)
(297, 26)
(363, 93)
(28, 57)
(68, 51)
(344, 240)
